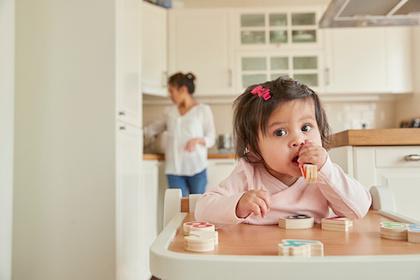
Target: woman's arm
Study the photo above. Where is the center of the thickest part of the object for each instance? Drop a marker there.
(208, 128)
(157, 126)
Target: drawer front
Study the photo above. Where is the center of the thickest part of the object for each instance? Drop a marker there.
(397, 156)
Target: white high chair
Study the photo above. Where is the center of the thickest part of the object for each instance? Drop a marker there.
(174, 203)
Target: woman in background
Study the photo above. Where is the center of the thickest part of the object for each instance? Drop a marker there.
(190, 132)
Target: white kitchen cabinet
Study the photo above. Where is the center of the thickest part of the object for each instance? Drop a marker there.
(127, 73)
(390, 166)
(150, 183)
(154, 58)
(368, 60)
(200, 42)
(218, 170)
(76, 189)
(279, 28)
(130, 202)
(257, 67)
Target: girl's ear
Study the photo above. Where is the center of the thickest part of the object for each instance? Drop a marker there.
(183, 89)
(248, 148)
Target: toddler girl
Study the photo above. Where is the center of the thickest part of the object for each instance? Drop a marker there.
(279, 126)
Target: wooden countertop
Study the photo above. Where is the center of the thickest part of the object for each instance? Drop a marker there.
(210, 156)
(363, 239)
(377, 137)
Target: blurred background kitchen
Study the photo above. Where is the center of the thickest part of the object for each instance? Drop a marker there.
(366, 76)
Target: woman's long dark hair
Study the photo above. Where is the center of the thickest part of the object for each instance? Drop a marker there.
(179, 79)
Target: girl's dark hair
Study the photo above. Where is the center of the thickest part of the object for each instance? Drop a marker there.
(179, 80)
(252, 112)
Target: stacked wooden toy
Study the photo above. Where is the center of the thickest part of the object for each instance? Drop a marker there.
(200, 236)
(309, 172)
(197, 226)
(303, 248)
(413, 233)
(338, 223)
(297, 222)
(395, 231)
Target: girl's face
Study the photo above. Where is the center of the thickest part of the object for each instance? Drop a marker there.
(177, 94)
(289, 126)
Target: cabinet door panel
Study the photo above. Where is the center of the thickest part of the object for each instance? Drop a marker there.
(218, 170)
(154, 49)
(129, 199)
(405, 185)
(199, 43)
(128, 46)
(358, 60)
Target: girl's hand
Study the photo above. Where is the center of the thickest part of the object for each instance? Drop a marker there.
(190, 146)
(312, 153)
(253, 201)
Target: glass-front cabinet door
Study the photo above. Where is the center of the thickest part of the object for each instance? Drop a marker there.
(284, 28)
(255, 69)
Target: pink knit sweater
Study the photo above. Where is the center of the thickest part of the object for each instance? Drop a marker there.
(333, 189)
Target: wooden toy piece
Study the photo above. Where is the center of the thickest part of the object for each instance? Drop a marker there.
(297, 222)
(337, 223)
(199, 243)
(206, 234)
(394, 231)
(413, 233)
(197, 226)
(304, 248)
(309, 172)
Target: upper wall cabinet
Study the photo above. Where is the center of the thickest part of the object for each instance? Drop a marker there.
(368, 60)
(258, 67)
(289, 28)
(154, 49)
(127, 74)
(199, 42)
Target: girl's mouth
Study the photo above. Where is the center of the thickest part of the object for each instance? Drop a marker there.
(295, 160)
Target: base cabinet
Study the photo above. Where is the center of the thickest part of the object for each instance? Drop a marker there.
(218, 170)
(394, 166)
(150, 175)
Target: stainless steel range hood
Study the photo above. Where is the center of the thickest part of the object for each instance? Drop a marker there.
(363, 13)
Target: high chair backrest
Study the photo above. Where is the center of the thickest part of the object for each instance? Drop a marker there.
(175, 203)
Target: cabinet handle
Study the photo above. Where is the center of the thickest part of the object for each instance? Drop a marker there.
(121, 113)
(122, 127)
(230, 77)
(327, 76)
(412, 157)
(164, 78)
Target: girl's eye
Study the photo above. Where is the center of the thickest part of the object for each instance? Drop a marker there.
(306, 127)
(279, 132)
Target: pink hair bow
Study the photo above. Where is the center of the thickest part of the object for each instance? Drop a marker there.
(262, 92)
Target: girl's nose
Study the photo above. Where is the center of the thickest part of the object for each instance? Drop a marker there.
(297, 140)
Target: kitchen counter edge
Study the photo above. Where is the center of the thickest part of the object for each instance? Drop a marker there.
(376, 137)
(210, 156)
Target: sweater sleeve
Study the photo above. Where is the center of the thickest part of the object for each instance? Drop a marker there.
(345, 195)
(218, 205)
(158, 126)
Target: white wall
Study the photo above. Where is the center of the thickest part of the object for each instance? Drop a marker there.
(6, 138)
(64, 182)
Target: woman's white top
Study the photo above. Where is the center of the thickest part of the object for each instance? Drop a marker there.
(196, 123)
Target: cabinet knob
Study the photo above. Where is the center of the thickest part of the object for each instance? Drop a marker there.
(412, 157)
(122, 127)
(121, 113)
